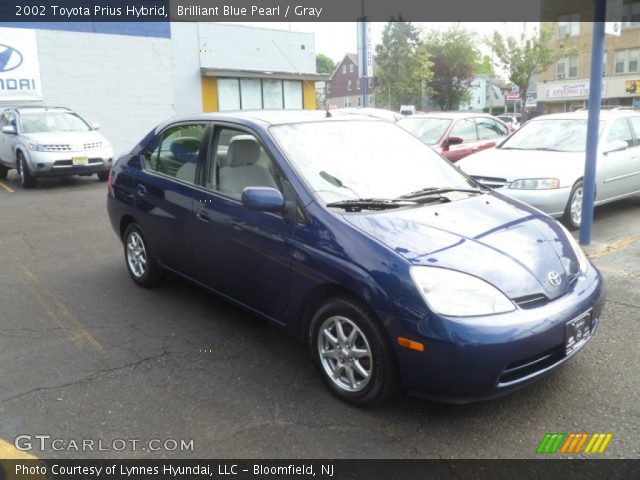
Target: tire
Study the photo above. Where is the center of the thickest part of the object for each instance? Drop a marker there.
(361, 347)
(573, 211)
(141, 264)
(3, 172)
(103, 176)
(27, 180)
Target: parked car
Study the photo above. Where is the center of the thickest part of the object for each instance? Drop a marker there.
(513, 121)
(456, 134)
(380, 113)
(354, 236)
(542, 164)
(45, 142)
(407, 110)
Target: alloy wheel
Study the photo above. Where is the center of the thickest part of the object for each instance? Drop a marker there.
(576, 206)
(136, 255)
(345, 354)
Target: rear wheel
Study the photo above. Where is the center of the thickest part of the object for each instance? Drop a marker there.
(3, 172)
(573, 211)
(352, 353)
(27, 180)
(141, 264)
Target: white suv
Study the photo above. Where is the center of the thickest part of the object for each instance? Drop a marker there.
(46, 142)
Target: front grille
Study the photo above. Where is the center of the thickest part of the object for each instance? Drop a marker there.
(91, 146)
(69, 163)
(531, 301)
(528, 366)
(491, 182)
(57, 148)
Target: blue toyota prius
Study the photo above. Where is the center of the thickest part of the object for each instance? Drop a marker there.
(396, 268)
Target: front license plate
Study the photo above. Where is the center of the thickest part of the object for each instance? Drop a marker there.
(577, 331)
(79, 160)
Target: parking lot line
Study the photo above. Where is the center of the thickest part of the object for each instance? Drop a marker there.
(60, 313)
(614, 247)
(6, 187)
(9, 452)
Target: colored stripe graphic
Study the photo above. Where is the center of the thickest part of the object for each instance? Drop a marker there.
(551, 442)
(573, 443)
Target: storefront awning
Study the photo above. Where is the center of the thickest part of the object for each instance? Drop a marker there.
(220, 72)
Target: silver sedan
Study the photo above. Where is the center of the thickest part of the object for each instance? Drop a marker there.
(543, 162)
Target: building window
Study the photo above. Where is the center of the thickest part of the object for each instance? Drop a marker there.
(348, 84)
(626, 61)
(569, 25)
(344, 69)
(573, 66)
(358, 84)
(631, 15)
(560, 70)
(351, 68)
(257, 94)
(604, 64)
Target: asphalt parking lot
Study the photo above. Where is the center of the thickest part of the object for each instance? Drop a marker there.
(85, 354)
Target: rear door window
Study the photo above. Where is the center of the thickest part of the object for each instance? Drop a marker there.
(176, 152)
(620, 130)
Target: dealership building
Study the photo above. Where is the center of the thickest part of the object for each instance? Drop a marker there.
(130, 76)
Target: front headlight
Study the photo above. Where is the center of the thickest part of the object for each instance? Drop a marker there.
(457, 294)
(535, 184)
(35, 147)
(583, 261)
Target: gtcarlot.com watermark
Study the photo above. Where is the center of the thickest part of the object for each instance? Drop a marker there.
(49, 443)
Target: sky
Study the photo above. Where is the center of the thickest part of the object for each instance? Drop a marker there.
(334, 39)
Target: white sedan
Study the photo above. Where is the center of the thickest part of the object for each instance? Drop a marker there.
(543, 162)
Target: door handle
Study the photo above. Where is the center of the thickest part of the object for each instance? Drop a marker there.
(141, 190)
(202, 215)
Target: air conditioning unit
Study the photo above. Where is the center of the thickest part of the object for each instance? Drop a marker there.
(560, 76)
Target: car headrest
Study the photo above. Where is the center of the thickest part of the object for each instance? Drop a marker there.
(185, 146)
(243, 151)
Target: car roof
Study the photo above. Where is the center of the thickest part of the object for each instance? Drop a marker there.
(450, 115)
(37, 109)
(584, 114)
(275, 117)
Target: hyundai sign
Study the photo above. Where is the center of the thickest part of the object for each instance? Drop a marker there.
(19, 63)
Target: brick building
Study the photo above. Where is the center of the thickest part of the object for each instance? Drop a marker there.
(343, 88)
(565, 85)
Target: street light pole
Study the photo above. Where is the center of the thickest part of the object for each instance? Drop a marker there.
(593, 122)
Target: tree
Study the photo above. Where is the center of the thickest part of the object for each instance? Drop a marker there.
(455, 60)
(324, 64)
(401, 67)
(525, 57)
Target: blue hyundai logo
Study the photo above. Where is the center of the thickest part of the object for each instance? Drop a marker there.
(10, 58)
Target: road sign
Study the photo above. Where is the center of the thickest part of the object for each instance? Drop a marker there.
(515, 89)
(513, 96)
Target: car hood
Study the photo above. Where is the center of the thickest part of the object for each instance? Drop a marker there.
(515, 164)
(501, 240)
(77, 139)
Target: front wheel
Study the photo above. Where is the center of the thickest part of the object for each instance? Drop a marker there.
(573, 211)
(141, 264)
(27, 180)
(351, 352)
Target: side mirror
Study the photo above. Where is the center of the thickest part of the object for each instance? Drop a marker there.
(454, 141)
(9, 130)
(95, 126)
(615, 146)
(264, 199)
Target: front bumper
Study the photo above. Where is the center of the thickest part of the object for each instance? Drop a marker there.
(552, 202)
(472, 359)
(55, 164)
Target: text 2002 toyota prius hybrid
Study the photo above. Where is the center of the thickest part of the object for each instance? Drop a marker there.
(350, 233)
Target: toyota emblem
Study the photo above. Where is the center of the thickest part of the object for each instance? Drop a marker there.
(554, 279)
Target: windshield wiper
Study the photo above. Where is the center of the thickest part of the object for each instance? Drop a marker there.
(440, 190)
(359, 204)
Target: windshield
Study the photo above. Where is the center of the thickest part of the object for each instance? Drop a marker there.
(428, 130)
(52, 122)
(341, 160)
(562, 135)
